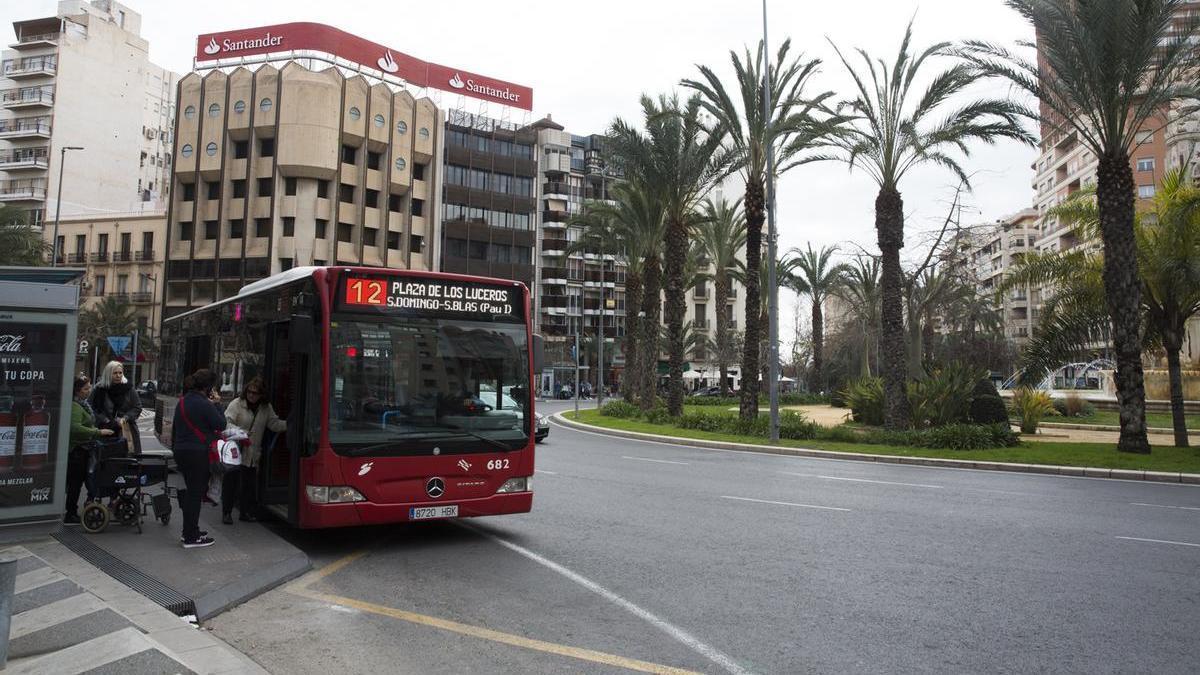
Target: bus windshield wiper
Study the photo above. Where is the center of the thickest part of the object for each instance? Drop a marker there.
(426, 434)
(472, 434)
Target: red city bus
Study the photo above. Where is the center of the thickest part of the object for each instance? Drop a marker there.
(406, 394)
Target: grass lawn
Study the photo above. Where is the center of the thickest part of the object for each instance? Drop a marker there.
(1112, 418)
(1163, 458)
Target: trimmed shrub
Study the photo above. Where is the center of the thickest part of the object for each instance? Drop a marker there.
(1074, 405)
(620, 410)
(945, 396)
(658, 415)
(966, 437)
(837, 398)
(712, 401)
(803, 399)
(1031, 405)
(731, 401)
(986, 405)
(793, 425)
(703, 421)
(865, 399)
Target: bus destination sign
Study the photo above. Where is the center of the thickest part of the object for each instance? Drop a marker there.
(436, 297)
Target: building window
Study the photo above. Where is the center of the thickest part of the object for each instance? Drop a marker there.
(322, 226)
(286, 264)
(416, 243)
(266, 147)
(80, 244)
(186, 232)
(319, 262)
(265, 186)
(210, 229)
(371, 199)
(239, 107)
(239, 188)
(213, 188)
(1145, 164)
(189, 113)
(345, 232)
(393, 241)
(322, 189)
(401, 127)
(346, 193)
(395, 202)
(99, 284)
(289, 226)
(289, 187)
(423, 133)
(237, 228)
(418, 207)
(214, 110)
(349, 154)
(186, 150)
(355, 113)
(241, 149)
(400, 164)
(211, 149)
(265, 105)
(369, 236)
(477, 250)
(419, 171)
(380, 121)
(262, 227)
(1145, 191)
(373, 159)
(189, 192)
(1144, 137)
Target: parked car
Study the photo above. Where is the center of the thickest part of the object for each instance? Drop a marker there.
(708, 391)
(543, 427)
(147, 391)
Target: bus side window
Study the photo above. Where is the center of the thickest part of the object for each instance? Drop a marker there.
(198, 353)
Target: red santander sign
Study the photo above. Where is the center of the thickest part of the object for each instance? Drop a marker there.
(315, 37)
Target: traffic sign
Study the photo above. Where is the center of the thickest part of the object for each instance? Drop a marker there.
(119, 343)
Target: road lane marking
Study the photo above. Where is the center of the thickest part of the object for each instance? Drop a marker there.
(548, 473)
(316, 575)
(492, 635)
(1161, 541)
(656, 461)
(863, 480)
(767, 501)
(1164, 506)
(711, 653)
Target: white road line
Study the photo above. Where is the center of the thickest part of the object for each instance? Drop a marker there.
(1161, 541)
(711, 653)
(656, 461)
(881, 482)
(1164, 506)
(767, 501)
(548, 473)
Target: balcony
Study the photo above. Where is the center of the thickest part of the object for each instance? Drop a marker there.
(145, 256)
(31, 97)
(122, 256)
(119, 296)
(554, 246)
(77, 258)
(22, 191)
(549, 216)
(19, 160)
(25, 127)
(31, 67)
(141, 298)
(700, 325)
(35, 41)
(556, 188)
(700, 293)
(99, 257)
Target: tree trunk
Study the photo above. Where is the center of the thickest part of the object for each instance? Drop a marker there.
(889, 227)
(815, 383)
(912, 329)
(1122, 290)
(675, 309)
(721, 292)
(652, 306)
(750, 347)
(1173, 341)
(633, 302)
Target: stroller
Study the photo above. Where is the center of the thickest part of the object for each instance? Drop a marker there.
(116, 480)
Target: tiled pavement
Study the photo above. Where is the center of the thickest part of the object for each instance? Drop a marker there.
(70, 617)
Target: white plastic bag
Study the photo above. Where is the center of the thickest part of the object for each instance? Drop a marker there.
(214, 489)
(234, 433)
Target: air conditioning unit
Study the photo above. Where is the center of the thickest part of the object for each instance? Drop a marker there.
(150, 134)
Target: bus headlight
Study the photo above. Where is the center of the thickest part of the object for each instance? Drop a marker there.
(516, 485)
(324, 494)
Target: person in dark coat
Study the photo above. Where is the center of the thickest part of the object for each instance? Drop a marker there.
(197, 423)
(114, 399)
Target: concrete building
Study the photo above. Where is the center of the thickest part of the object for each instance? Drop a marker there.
(289, 166)
(83, 78)
(989, 251)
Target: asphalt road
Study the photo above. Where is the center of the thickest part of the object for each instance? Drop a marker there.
(643, 556)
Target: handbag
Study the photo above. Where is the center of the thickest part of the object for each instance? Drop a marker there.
(214, 455)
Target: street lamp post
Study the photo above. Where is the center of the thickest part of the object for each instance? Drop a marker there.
(600, 354)
(153, 279)
(772, 285)
(62, 160)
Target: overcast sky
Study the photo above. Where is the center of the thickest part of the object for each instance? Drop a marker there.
(589, 62)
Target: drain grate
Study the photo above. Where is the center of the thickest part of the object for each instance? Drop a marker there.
(152, 588)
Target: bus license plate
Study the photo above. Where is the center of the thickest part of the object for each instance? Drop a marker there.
(430, 512)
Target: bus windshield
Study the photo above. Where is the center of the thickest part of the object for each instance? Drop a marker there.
(414, 386)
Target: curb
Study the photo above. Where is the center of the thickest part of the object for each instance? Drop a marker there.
(1047, 469)
(1160, 431)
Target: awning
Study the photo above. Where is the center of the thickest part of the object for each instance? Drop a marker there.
(664, 368)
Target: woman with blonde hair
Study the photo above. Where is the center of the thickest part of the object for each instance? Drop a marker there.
(114, 400)
(252, 412)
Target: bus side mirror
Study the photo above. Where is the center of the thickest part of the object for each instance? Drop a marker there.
(302, 335)
(539, 354)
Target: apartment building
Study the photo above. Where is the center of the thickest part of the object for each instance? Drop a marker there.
(288, 166)
(82, 78)
(988, 252)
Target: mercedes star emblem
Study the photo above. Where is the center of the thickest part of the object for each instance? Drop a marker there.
(435, 488)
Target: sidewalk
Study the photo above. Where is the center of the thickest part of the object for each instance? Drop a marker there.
(70, 617)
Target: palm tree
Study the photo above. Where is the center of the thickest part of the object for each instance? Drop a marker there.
(860, 291)
(785, 268)
(679, 158)
(1167, 241)
(818, 277)
(1108, 70)
(631, 227)
(894, 132)
(20, 244)
(722, 235)
(791, 129)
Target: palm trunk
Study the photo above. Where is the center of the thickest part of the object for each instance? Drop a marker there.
(754, 224)
(1173, 342)
(815, 382)
(913, 330)
(633, 302)
(721, 291)
(1122, 290)
(652, 307)
(676, 308)
(889, 226)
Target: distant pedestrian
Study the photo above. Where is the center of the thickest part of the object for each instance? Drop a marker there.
(252, 412)
(198, 423)
(83, 432)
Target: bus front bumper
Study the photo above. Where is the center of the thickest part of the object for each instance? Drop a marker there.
(371, 513)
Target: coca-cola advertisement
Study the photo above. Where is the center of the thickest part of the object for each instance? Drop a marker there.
(30, 419)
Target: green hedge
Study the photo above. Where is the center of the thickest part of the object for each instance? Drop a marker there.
(784, 399)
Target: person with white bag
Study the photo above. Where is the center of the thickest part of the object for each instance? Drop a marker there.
(252, 412)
